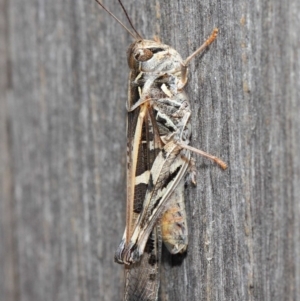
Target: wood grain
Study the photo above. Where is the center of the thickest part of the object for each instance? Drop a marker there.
(62, 148)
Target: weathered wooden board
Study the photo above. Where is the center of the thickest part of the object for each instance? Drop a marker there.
(62, 148)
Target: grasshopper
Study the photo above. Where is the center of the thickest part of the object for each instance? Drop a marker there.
(158, 159)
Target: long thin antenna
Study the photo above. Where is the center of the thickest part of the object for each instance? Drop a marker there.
(117, 19)
(129, 20)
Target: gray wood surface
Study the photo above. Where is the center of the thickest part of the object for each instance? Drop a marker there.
(63, 87)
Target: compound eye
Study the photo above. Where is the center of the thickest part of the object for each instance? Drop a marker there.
(144, 55)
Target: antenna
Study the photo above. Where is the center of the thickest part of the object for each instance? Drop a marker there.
(129, 20)
(110, 13)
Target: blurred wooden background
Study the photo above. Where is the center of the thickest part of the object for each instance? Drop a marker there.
(63, 88)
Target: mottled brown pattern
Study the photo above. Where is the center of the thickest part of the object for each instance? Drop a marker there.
(63, 84)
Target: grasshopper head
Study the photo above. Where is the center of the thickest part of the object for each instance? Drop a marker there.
(152, 56)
